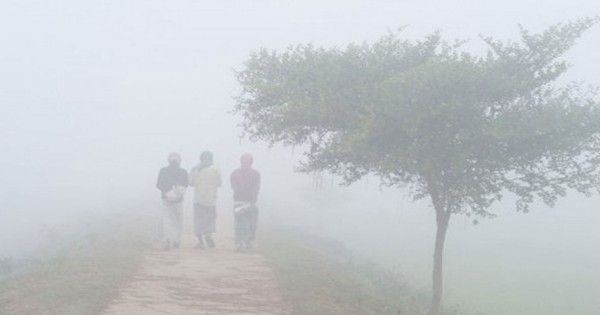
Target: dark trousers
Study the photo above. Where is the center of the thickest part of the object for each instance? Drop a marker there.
(245, 225)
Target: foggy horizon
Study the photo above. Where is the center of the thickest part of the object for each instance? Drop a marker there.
(93, 96)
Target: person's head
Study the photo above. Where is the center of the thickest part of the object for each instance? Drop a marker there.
(206, 157)
(174, 159)
(246, 160)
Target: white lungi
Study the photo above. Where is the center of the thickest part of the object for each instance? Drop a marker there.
(172, 221)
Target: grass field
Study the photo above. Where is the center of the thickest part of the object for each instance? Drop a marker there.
(319, 278)
(540, 263)
(79, 280)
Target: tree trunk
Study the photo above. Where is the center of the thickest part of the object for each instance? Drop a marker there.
(442, 219)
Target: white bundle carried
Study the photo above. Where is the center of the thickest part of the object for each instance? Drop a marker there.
(240, 207)
(175, 195)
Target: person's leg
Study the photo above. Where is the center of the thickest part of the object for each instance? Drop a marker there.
(238, 226)
(168, 225)
(210, 227)
(245, 220)
(198, 225)
(178, 223)
(209, 240)
(252, 225)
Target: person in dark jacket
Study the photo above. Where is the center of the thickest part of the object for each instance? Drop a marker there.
(245, 182)
(172, 182)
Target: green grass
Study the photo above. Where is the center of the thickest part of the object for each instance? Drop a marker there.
(81, 280)
(501, 287)
(317, 280)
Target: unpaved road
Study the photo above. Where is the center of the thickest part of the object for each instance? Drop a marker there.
(216, 281)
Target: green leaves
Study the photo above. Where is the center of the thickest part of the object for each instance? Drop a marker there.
(468, 128)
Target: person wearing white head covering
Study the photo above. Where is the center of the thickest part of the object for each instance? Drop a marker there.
(172, 182)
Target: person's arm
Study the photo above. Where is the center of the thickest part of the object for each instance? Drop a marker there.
(256, 187)
(185, 180)
(160, 182)
(191, 178)
(232, 181)
(257, 183)
(218, 179)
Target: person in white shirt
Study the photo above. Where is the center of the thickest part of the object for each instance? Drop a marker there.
(206, 180)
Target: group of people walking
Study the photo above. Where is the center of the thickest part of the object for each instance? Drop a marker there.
(206, 179)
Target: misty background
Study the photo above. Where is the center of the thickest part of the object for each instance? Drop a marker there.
(94, 95)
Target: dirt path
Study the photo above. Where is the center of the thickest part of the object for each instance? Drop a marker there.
(184, 281)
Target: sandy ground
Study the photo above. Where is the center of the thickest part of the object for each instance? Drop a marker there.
(217, 281)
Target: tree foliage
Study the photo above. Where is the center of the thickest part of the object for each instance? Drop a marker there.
(459, 128)
(429, 115)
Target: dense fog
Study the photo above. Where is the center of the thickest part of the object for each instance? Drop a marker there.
(94, 95)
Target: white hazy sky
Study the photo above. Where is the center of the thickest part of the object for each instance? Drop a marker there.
(94, 94)
(88, 85)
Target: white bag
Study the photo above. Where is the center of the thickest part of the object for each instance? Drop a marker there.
(241, 207)
(175, 195)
